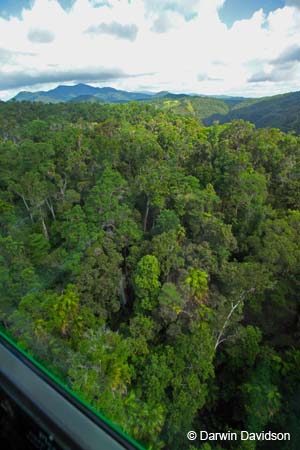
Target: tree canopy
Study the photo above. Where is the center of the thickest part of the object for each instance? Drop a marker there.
(154, 264)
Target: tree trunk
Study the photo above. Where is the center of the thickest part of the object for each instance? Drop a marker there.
(122, 291)
(63, 188)
(45, 229)
(146, 214)
(220, 337)
(51, 209)
(27, 207)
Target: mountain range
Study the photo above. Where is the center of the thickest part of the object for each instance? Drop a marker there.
(281, 111)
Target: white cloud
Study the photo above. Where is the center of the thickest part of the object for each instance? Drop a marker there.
(40, 36)
(290, 54)
(18, 79)
(115, 29)
(179, 45)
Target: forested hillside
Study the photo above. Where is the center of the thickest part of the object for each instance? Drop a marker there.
(154, 265)
(194, 106)
(280, 111)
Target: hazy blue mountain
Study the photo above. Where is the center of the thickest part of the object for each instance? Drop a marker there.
(81, 91)
(85, 93)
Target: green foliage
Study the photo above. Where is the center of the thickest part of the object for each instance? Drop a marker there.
(153, 263)
(197, 282)
(100, 373)
(166, 248)
(280, 111)
(99, 278)
(246, 348)
(146, 282)
(170, 303)
(166, 221)
(261, 396)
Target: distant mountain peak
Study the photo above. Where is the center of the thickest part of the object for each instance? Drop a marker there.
(82, 85)
(85, 92)
(81, 91)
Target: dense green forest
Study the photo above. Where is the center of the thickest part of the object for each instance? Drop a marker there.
(194, 106)
(280, 111)
(153, 263)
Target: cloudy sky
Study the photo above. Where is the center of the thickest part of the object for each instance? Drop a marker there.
(233, 47)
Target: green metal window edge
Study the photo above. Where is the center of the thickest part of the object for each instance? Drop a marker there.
(11, 341)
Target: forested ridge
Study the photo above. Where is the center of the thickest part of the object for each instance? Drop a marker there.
(280, 111)
(153, 264)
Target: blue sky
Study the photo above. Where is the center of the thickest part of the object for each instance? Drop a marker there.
(14, 7)
(243, 9)
(233, 47)
(231, 11)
